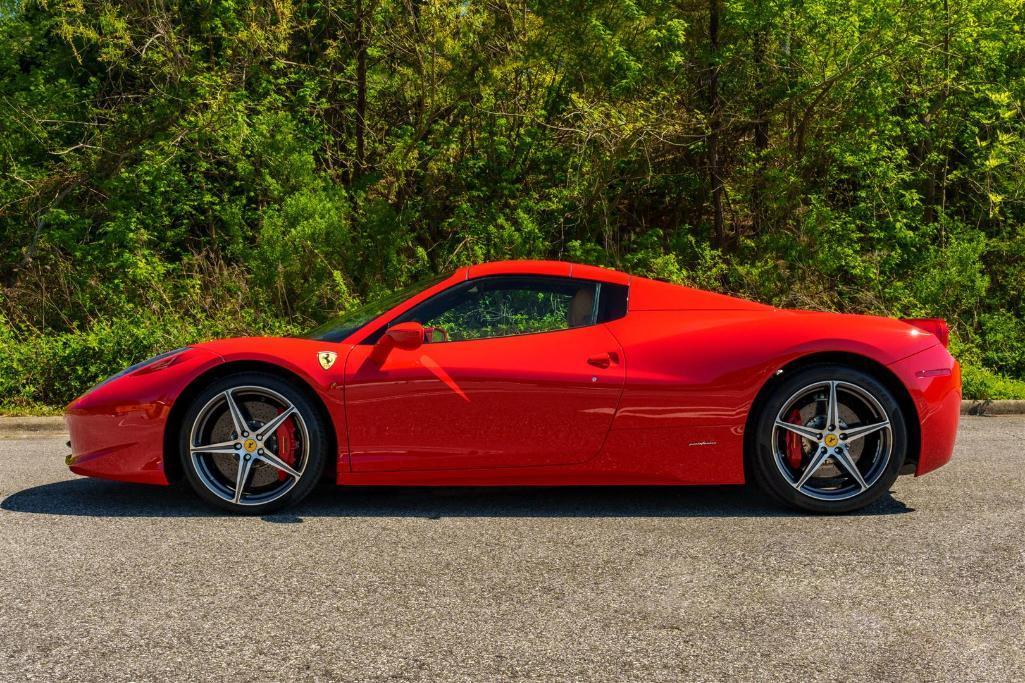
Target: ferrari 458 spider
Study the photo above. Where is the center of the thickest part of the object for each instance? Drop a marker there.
(537, 373)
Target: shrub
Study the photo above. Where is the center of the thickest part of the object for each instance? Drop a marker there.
(982, 384)
(52, 369)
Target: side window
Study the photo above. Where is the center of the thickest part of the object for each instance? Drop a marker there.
(507, 306)
(612, 302)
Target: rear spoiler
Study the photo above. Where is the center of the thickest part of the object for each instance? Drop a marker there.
(936, 326)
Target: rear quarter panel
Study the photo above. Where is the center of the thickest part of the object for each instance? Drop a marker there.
(693, 375)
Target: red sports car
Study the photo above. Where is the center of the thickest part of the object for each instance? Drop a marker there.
(537, 373)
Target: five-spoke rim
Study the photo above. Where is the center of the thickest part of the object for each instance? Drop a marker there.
(832, 440)
(249, 445)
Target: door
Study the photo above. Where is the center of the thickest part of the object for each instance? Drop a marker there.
(515, 371)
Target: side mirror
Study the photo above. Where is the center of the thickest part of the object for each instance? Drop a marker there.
(405, 336)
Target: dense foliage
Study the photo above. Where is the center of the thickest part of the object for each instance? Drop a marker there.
(176, 170)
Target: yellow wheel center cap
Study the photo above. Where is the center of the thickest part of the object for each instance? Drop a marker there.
(830, 440)
(250, 445)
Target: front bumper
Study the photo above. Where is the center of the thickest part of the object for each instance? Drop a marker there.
(117, 429)
(124, 443)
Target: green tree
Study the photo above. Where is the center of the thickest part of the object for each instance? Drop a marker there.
(185, 169)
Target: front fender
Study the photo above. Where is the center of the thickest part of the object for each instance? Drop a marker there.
(301, 358)
(117, 429)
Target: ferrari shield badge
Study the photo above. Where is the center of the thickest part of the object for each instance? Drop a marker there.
(327, 359)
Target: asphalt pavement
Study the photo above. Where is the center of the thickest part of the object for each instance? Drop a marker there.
(108, 581)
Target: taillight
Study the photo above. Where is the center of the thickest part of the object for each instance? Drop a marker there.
(936, 326)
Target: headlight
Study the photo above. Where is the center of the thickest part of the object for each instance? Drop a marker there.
(149, 362)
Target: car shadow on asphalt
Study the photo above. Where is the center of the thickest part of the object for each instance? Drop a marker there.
(97, 498)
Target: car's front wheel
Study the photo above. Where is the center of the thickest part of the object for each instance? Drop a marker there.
(829, 439)
(252, 443)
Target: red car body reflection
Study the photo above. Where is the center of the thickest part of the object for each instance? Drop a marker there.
(661, 395)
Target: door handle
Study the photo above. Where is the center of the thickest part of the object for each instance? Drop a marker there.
(603, 360)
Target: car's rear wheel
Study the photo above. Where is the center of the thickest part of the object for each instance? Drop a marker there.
(252, 443)
(829, 439)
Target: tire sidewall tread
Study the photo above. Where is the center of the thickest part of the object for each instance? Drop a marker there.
(314, 427)
(763, 465)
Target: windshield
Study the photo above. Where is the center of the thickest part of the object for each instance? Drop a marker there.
(340, 327)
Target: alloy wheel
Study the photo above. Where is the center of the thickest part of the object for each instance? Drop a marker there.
(249, 445)
(832, 440)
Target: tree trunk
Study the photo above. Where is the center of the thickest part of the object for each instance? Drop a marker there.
(362, 40)
(936, 172)
(715, 127)
(761, 132)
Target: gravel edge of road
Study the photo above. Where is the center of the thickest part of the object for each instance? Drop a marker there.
(993, 407)
(29, 426)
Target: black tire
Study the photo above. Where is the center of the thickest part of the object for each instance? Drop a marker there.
(209, 420)
(770, 461)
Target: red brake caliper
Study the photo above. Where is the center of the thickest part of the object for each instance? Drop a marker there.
(795, 453)
(286, 444)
